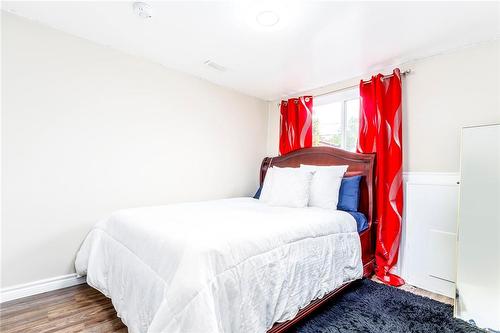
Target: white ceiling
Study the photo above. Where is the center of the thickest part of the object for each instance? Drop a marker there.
(315, 43)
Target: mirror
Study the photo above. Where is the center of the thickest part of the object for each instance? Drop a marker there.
(478, 239)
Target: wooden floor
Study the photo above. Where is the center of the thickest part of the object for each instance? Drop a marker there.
(422, 292)
(74, 309)
(83, 309)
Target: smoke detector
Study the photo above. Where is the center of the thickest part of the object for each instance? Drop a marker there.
(142, 9)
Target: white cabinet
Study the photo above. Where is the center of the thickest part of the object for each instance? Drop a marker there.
(478, 255)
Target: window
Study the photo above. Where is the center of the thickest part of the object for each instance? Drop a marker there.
(336, 120)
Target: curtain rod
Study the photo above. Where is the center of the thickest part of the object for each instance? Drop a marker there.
(403, 74)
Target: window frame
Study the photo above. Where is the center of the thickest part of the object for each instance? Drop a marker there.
(342, 96)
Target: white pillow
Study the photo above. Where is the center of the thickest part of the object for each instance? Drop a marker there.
(287, 187)
(325, 185)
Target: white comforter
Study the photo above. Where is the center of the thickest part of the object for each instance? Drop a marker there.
(234, 265)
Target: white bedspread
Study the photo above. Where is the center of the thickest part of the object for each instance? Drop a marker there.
(234, 265)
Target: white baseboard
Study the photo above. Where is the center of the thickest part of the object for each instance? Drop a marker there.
(40, 286)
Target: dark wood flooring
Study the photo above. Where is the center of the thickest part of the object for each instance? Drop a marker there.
(82, 309)
(74, 309)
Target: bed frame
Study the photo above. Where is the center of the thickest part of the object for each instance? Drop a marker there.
(359, 164)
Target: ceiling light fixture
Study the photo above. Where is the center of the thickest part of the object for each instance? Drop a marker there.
(267, 18)
(142, 10)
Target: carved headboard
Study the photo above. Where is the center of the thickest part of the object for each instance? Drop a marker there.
(359, 164)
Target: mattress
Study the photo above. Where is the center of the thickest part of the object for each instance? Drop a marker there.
(233, 265)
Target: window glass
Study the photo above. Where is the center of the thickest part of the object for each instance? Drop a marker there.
(351, 124)
(336, 120)
(327, 120)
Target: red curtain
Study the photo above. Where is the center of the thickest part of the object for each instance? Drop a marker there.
(296, 124)
(380, 131)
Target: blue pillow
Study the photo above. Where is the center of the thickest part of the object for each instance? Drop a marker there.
(257, 194)
(349, 194)
(361, 220)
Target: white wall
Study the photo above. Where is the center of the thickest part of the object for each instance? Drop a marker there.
(441, 95)
(87, 130)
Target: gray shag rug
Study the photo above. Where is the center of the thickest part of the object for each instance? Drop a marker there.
(372, 307)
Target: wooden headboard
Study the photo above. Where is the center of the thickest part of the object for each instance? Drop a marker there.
(359, 164)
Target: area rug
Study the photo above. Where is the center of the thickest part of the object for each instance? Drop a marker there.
(373, 307)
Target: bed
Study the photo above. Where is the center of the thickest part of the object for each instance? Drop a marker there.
(232, 265)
